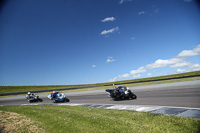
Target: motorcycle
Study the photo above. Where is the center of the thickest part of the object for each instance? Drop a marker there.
(121, 93)
(58, 97)
(33, 98)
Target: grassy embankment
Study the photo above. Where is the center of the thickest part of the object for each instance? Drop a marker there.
(52, 118)
(6, 89)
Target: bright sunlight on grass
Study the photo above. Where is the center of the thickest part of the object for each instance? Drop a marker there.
(52, 118)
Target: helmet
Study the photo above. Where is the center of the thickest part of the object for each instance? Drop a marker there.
(117, 88)
(29, 93)
(54, 92)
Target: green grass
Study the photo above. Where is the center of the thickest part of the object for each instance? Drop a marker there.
(6, 89)
(52, 118)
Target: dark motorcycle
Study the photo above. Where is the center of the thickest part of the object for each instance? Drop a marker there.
(121, 93)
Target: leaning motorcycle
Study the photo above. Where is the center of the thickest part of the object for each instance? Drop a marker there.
(59, 97)
(33, 98)
(121, 93)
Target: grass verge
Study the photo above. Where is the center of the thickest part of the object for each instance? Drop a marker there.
(52, 118)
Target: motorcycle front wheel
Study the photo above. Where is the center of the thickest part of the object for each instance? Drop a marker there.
(133, 96)
(40, 100)
(67, 100)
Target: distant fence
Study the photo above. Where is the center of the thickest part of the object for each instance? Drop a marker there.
(152, 80)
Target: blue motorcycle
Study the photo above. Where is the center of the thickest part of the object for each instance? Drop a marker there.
(58, 97)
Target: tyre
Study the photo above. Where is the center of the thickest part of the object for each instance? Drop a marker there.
(67, 100)
(40, 100)
(112, 94)
(133, 96)
(55, 101)
(117, 98)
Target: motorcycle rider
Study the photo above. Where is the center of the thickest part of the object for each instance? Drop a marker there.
(54, 94)
(123, 91)
(31, 97)
(117, 88)
(29, 94)
(127, 90)
(120, 91)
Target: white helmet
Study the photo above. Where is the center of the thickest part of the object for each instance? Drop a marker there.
(29, 93)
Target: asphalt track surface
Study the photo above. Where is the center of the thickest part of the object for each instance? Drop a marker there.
(182, 94)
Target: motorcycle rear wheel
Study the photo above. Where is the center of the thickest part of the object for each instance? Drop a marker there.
(55, 101)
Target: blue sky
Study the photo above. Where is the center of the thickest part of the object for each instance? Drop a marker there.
(61, 42)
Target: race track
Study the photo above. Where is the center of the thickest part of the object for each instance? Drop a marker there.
(182, 94)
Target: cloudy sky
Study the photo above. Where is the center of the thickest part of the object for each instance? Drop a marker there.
(63, 42)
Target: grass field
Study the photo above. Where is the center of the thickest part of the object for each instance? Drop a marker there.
(6, 89)
(52, 118)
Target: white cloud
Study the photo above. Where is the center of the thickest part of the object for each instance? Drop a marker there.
(122, 1)
(197, 49)
(173, 63)
(133, 72)
(190, 68)
(110, 59)
(141, 12)
(108, 19)
(186, 53)
(163, 63)
(181, 64)
(93, 65)
(132, 38)
(136, 76)
(113, 79)
(177, 62)
(149, 75)
(194, 67)
(139, 70)
(181, 71)
(124, 76)
(109, 31)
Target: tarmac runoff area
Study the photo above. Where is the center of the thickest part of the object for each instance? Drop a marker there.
(177, 99)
